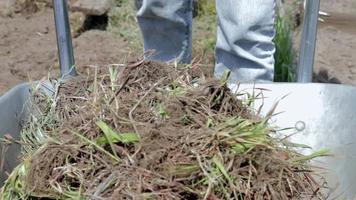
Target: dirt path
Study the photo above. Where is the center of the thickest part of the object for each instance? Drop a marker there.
(28, 48)
(336, 43)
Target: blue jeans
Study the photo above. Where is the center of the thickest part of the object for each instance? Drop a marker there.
(244, 35)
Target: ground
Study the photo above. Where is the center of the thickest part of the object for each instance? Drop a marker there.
(28, 45)
(28, 48)
(336, 43)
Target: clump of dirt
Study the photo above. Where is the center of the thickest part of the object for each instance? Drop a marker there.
(154, 131)
(29, 6)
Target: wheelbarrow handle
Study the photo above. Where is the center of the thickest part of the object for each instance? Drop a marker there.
(308, 42)
(64, 40)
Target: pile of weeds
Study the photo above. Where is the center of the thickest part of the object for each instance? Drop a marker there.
(153, 131)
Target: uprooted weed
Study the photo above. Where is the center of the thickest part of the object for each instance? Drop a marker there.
(155, 131)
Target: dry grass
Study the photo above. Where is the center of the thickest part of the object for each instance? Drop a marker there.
(154, 131)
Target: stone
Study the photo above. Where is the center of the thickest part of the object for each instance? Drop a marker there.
(92, 7)
(6, 8)
(50, 3)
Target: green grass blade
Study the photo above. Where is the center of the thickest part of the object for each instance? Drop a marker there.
(107, 131)
(318, 154)
(222, 169)
(89, 142)
(112, 136)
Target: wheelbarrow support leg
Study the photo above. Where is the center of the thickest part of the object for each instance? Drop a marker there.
(307, 49)
(64, 40)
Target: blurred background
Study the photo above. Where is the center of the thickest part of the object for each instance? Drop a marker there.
(105, 32)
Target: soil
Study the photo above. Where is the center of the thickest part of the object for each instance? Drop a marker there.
(28, 48)
(336, 43)
(28, 45)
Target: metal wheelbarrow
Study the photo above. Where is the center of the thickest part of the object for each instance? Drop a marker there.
(321, 115)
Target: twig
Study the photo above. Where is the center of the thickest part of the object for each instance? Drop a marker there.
(119, 90)
(136, 64)
(129, 66)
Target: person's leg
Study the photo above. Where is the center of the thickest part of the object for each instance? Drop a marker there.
(245, 40)
(166, 27)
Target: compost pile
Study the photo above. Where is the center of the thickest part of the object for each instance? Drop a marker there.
(148, 130)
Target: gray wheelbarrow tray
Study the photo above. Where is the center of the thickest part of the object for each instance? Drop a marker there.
(322, 115)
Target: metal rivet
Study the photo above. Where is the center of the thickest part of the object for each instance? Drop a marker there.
(300, 126)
